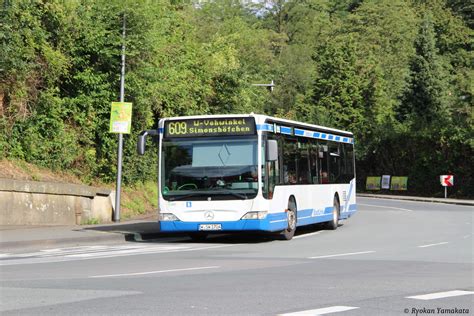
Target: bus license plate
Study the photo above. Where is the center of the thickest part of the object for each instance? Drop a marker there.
(210, 227)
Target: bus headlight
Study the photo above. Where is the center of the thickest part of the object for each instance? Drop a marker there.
(255, 215)
(168, 217)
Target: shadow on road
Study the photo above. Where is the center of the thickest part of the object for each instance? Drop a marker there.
(149, 232)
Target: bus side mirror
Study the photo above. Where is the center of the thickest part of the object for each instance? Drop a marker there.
(272, 150)
(142, 140)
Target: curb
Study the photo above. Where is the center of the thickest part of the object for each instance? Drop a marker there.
(68, 241)
(418, 199)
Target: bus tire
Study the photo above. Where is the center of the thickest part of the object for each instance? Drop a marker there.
(198, 237)
(291, 215)
(334, 223)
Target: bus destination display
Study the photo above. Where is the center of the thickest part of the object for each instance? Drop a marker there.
(210, 127)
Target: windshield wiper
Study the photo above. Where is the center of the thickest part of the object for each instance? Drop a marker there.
(211, 192)
(229, 192)
(183, 197)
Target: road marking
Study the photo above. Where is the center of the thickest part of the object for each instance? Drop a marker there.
(432, 245)
(391, 207)
(343, 254)
(321, 311)
(416, 202)
(434, 296)
(467, 236)
(307, 235)
(97, 252)
(152, 272)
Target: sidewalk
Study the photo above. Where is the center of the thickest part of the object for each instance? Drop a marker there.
(416, 198)
(31, 237)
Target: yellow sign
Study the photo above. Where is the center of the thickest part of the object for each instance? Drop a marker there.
(399, 183)
(121, 117)
(373, 183)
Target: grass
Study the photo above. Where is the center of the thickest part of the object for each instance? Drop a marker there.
(91, 221)
(139, 199)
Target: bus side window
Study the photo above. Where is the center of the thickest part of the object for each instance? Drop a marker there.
(323, 162)
(314, 168)
(290, 159)
(334, 163)
(303, 162)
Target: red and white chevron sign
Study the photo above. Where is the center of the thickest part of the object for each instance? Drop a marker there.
(447, 180)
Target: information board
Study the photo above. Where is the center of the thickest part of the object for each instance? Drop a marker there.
(399, 184)
(385, 182)
(373, 183)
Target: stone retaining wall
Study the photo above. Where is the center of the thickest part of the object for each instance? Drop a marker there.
(49, 203)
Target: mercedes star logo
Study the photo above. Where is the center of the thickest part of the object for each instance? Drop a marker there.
(209, 215)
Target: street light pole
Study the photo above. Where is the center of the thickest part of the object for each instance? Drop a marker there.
(268, 85)
(120, 135)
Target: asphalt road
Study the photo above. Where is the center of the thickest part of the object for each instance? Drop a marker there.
(391, 258)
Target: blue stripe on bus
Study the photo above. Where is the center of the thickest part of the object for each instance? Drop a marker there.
(285, 130)
(273, 222)
(161, 130)
(265, 127)
(304, 133)
(299, 132)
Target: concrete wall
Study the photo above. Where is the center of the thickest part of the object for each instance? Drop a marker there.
(48, 203)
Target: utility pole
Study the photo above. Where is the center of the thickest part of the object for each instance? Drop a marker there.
(120, 135)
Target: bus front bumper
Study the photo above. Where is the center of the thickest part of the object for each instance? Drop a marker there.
(273, 222)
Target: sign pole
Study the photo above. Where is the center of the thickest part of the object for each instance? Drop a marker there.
(446, 192)
(120, 135)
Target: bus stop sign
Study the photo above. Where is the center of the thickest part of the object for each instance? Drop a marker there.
(447, 180)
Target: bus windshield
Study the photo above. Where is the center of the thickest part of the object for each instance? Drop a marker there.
(218, 168)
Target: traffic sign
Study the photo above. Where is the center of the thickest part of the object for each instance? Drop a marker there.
(447, 180)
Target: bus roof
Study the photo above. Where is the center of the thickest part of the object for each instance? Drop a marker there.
(260, 119)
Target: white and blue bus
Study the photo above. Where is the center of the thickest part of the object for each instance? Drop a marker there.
(251, 173)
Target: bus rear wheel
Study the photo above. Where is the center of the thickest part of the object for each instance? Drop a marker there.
(289, 232)
(334, 223)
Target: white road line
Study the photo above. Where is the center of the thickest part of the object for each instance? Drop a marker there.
(434, 296)
(343, 254)
(16, 260)
(411, 201)
(390, 207)
(307, 235)
(152, 272)
(432, 245)
(321, 311)
(465, 237)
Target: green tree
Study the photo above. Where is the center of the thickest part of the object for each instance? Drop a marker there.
(426, 98)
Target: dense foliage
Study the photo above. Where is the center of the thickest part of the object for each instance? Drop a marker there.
(398, 73)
